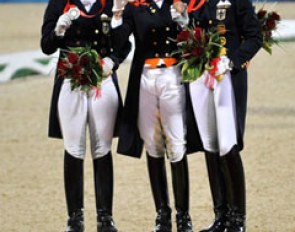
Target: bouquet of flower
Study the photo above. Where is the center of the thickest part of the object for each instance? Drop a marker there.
(199, 50)
(83, 66)
(268, 22)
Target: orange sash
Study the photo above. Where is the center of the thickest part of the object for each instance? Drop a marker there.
(153, 62)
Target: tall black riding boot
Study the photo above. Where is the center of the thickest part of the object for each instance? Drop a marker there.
(73, 180)
(158, 180)
(180, 182)
(103, 179)
(218, 192)
(235, 188)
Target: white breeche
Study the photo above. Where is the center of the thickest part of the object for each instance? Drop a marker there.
(215, 113)
(78, 109)
(161, 113)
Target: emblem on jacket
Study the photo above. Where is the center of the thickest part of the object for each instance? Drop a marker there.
(105, 24)
(221, 9)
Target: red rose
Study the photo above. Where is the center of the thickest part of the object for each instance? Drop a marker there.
(77, 70)
(198, 33)
(197, 51)
(73, 57)
(261, 13)
(62, 65)
(271, 24)
(183, 36)
(274, 16)
(85, 61)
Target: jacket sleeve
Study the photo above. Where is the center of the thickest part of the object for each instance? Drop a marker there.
(250, 31)
(49, 41)
(121, 43)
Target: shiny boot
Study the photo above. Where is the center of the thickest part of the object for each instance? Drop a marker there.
(217, 187)
(235, 189)
(180, 182)
(158, 180)
(73, 180)
(103, 181)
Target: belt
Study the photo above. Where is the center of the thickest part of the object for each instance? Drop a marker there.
(160, 62)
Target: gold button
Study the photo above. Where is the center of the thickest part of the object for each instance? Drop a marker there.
(95, 43)
(167, 28)
(210, 22)
(96, 31)
(78, 42)
(167, 42)
(167, 54)
(155, 43)
(153, 30)
(222, 40)
(157, 55)
(198, 22)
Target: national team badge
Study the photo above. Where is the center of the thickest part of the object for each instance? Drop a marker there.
(105, 24)
(222, 6)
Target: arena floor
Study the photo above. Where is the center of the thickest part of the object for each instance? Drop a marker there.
(31, 174)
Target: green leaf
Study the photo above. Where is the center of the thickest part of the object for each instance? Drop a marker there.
(267, 48)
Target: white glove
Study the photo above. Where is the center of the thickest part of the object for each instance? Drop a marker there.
(223, 66)
(119, 5)
(63, 23)
(107, 66)
(181, 19)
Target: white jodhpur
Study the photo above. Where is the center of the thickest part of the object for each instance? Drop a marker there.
(215, 115)
(78, 109)
(161, 113)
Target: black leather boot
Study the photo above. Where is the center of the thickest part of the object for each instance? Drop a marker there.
(73, 180)
(218, 192)
(233, 170)
(103, 180)
(158, 180)
(180, 182)
(76, 222)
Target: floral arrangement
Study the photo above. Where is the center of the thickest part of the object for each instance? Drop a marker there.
(83, 66)
(268, 22)
(199, 50)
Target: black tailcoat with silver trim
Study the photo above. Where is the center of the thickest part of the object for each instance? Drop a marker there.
(243, 40)
(83, 32)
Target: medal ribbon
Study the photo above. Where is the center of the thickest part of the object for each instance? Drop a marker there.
(209, 81)
(191, 6)
(68, 6)
(139, 3)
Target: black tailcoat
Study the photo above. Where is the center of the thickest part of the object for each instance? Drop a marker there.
(153, 29)
(243, 40)
(83, 32)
